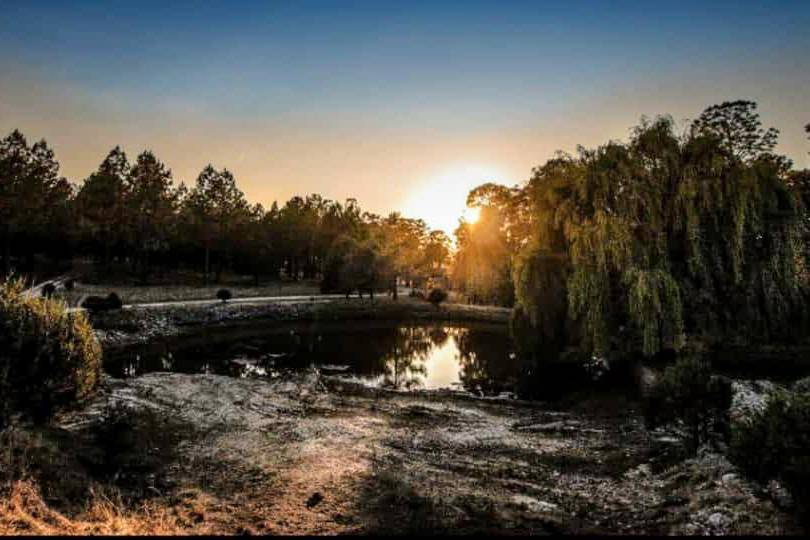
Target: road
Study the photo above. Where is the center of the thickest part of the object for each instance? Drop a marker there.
(243, 300)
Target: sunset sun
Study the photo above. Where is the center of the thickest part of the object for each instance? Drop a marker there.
(441, 198)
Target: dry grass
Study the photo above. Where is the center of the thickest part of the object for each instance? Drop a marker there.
(24, 512)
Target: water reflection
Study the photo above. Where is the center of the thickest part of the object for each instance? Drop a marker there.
(475, 357)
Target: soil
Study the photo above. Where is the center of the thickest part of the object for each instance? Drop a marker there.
(310, 454)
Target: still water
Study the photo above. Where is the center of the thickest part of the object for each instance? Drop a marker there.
(477, 358)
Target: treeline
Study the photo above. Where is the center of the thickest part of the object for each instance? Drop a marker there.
(133, 214)
(637, 246)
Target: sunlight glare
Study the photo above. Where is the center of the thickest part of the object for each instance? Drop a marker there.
(471, 214)
(441, 200)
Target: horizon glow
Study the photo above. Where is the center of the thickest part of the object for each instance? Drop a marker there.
(402, 106)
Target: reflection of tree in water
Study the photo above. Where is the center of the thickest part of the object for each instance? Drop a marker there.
(486, 361)
(395, 355)
(405, 362)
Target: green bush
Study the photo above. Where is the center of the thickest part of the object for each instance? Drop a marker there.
(776, 445)
(688, 394)
(49, 358)
(437, 296)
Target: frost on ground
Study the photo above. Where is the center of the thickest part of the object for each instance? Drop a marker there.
(309, 454)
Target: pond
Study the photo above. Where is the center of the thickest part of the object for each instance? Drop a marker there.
(478, 358)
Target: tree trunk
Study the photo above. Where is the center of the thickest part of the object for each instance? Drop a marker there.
(207, 269)
(6, 251)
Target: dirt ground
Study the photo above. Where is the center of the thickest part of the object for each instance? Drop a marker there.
(306, 454)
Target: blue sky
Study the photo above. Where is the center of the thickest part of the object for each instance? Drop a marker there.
(380, 99)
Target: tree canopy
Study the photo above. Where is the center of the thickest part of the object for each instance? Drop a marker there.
(641, 246)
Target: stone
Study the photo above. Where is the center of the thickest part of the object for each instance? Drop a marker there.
(314, 500)
(534, 505)
(801, 386)
(729, 479)
(779, 495)
(718, 520)
(749, 398)
(644, 470)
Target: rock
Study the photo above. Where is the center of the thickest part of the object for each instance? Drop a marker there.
(674, 500)
(314, 500)
(729, 479)
(534, 505)
(550, 427)
(801, 386)
(718, 520)
(779, 495)
(642, 471)
(749, 398)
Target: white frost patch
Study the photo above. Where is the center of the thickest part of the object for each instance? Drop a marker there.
(534, 505)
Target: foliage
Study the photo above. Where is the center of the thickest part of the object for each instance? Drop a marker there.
(661, 238)
(224, 295)
(736, 124)
(360, 266)
(34, 200)
(48, 289)
(49, 358)
(482, 266)
(214, 209)
(774, 444)
(114, 301)
(436, 296)
(99, 303)
(689, 394)
(101, 205)
(135, 216)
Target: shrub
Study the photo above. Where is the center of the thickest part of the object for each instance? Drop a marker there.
(48, 289)
(437, 296)
(49, 358)
(774, 445)
(224, 295)
(114, 301)
(98, 303)
(688, 394)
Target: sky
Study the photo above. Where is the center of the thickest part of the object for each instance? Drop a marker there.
(404, 106)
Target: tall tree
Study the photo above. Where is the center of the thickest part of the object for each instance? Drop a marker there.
(102, 200)
(737, 125)
(660, 238)
(217, 208)
(151, 206)
(34, 199)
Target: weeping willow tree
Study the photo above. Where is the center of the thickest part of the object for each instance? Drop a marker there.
(638, 246)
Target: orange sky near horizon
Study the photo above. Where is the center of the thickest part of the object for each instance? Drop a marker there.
(403, 107)
(422, 172)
